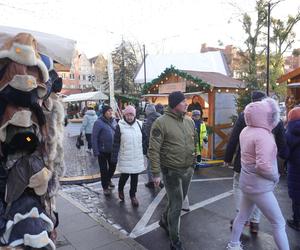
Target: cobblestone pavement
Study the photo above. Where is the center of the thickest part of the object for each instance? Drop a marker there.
(78, 161)
(205, 227)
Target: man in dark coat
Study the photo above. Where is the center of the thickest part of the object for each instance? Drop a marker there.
(233, 148)
(102, 144)
(293, 163)
(151, 115)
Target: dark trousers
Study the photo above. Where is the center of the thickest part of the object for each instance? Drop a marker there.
(296, 211)
(177, 182)
(133, 183)
(107, 169)
(89, 140)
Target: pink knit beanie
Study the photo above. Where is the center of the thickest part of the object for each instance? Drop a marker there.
(129, 110)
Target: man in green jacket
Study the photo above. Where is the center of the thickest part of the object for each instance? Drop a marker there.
(172, 150)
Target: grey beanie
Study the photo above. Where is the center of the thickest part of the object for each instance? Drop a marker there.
(150, 108)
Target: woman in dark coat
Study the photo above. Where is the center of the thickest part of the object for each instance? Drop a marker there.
(293, 163)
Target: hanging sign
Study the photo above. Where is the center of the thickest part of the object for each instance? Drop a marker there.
(171, 87)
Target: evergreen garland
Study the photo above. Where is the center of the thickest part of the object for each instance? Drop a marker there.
(173, 70)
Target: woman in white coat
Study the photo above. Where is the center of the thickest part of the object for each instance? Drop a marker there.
(128, 152)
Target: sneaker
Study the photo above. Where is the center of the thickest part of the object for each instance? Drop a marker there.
(254, 227)
(106, 192)
(238, 247)
(176, 246)
(293, 224)
(111, 185)
(164, 226)
(121, 195)
(150, 184)
(134, 201)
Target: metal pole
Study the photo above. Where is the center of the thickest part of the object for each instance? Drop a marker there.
(111, 82)
(144, 54)
(268, 49)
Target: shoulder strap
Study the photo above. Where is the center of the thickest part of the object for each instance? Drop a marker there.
(109, 124)
(139, 125)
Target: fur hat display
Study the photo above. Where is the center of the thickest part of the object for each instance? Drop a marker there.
(23, 78)
(16, 116)
(31, 142)
(294, 114)
(130, 110)
(175, 98)
(23, 49)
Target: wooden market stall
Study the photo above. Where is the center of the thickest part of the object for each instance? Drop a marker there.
(292, 81)
(217, 94)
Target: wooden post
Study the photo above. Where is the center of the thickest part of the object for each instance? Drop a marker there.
(211, 122)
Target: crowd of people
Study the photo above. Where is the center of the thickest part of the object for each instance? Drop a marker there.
(172, 143)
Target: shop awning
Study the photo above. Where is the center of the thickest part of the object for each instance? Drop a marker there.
(294, 85)
(89, 96)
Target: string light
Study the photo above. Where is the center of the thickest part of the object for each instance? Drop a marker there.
(219, 90)
(227, 90)
(277, 83)
(246, 89)
(236, 90)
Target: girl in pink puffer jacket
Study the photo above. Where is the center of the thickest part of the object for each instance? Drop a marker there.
(259, 173)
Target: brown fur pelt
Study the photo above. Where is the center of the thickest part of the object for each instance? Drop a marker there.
(54, 113)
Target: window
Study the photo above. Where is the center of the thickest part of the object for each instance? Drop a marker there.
(72, 76)
(83, 77)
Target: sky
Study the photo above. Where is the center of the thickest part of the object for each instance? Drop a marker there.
(164, 26)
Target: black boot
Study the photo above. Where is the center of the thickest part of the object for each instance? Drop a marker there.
(293, 224)
(177, 245)
(150, 184)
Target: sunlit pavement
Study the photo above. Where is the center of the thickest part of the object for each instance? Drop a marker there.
(206, 226)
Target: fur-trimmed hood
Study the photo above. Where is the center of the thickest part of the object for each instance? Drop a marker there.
(262, 114)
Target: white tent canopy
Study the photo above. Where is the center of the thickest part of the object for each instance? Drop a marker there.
(60, 49)
(212, 61)
(89, 96)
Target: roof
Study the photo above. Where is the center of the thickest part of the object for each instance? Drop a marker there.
(289, 75)
(70, 91)
(216, 79)
(89, 96)
(211, 61)
(61, 68)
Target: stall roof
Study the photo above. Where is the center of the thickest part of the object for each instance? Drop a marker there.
(216, 79)
(89, 96)
(294, 85)
(212, 61)
(289, 75)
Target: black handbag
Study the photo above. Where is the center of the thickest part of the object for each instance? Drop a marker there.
(79, 141)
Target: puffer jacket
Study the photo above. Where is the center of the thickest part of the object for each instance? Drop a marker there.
(233, 150)
(293, 163)
(103, 135)
(88, 122)
(127, 149)
(259, 171)
(173, 142)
